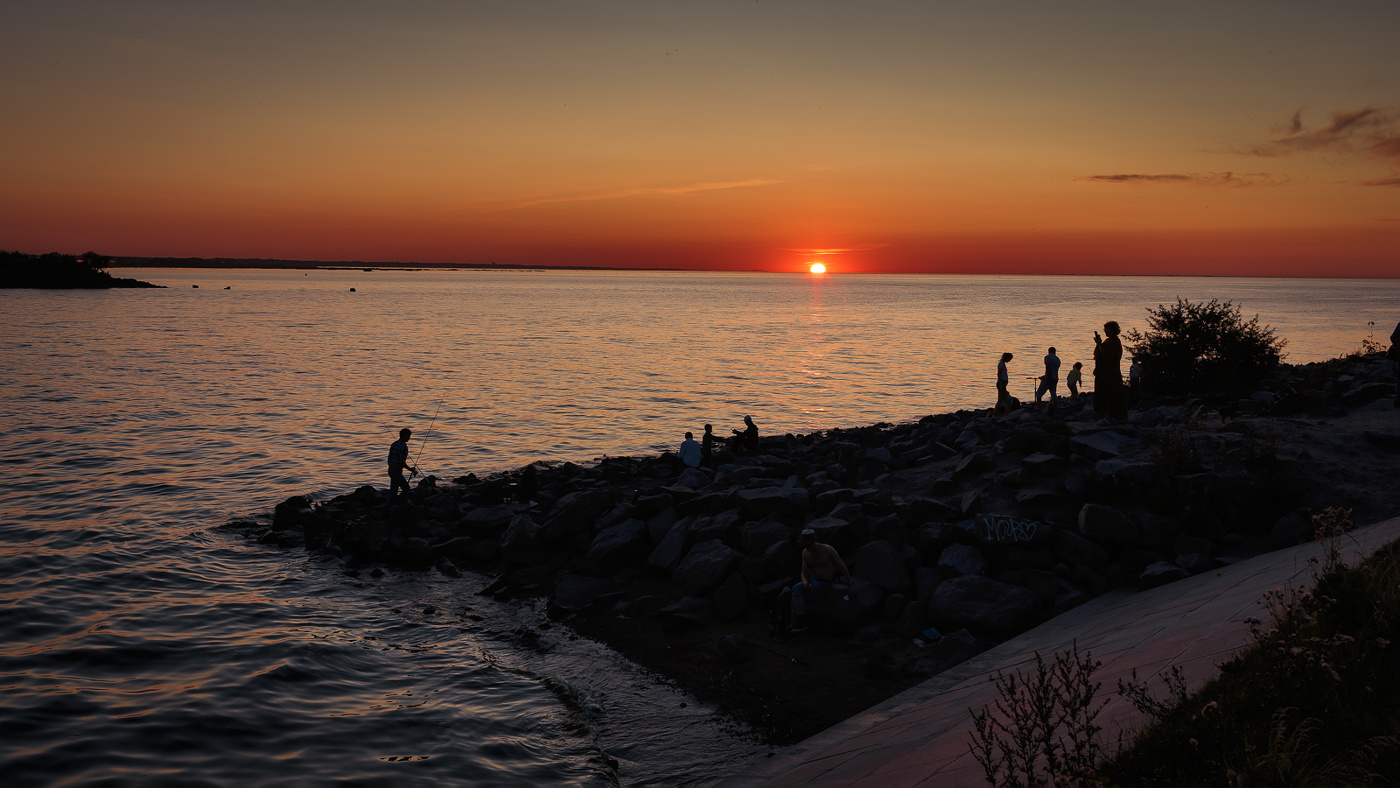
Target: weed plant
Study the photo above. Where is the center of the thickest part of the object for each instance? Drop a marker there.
(1315, 700)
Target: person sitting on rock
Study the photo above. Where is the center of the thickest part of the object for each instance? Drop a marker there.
(398, 460)
(747, 439)
(690, 451)
(821, 565)
(707, 446)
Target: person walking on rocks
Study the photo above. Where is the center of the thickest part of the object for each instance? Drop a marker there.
(1110, 401)
(1003, 378)
(821, 565)
(1050, 381)
(707, 446)
(1074, 379)
(398, 460)
(690, 451)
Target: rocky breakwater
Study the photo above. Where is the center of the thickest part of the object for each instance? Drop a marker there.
(961, 523)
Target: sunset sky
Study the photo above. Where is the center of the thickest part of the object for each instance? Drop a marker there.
(1176, 138)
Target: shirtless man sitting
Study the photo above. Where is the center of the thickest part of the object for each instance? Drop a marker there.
(820, 566)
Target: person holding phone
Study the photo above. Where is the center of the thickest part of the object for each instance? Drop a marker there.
(1110, 400)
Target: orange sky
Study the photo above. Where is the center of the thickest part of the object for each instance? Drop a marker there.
(1253, 138)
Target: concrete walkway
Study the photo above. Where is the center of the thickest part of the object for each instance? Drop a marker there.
(921, 736)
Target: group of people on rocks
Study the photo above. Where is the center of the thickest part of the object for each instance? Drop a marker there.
(1110, 395)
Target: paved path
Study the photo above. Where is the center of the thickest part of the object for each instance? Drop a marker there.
(920, 737)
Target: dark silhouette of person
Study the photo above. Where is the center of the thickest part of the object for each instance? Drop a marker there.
(1394, 355)
(1110, 400)
(398, 460)
(529, 485)
(707, 446)
(1003, 378)
(749, 438)
(1050, 381)
(689, 451)
(1073, 380)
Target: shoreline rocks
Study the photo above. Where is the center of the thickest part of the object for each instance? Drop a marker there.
(959, 522)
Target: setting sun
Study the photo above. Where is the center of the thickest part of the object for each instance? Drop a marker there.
(818, 268)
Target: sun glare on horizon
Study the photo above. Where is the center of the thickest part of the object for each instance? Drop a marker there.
(818, 268)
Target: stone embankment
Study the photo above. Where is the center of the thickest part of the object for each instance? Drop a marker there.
(958, 523)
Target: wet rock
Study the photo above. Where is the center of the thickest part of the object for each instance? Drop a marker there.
(521, 539)
(984, 604)
(573, 593)
(292, 513)
(706, 565)
(963, 560)
(880, 563)
(1108, 524)
(1161, 573)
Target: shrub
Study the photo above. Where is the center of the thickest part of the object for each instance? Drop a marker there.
(1203, 347)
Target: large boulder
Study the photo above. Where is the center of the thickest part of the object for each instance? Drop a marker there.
(1072, 548)
(982, 603)
(785, 502)
(758, 537)
(1099, 445)
(1044, 464)
(1108, 524)
(617, 546)
(706, 565)
(521, 540)
(962, 560)
(573, 593)
(694, 478)
(919, 511)
(880, 563)
(574, 514)
(722, 526)
(488, 520)
(667, 555)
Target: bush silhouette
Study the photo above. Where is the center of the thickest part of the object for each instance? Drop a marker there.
(1203, 347)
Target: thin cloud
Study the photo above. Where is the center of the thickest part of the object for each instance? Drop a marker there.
(1229, 179)
(1383, 182)
(1370, 132)
(835, 251)
(619, 194)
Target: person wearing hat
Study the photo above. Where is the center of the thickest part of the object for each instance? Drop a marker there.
(750, 435)
(398, 460)
(821, 565)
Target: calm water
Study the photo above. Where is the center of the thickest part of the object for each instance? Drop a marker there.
(144, 643)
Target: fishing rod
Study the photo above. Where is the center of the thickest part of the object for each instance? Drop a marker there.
(425, 438)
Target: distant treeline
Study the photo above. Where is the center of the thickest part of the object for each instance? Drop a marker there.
(259, 262)
(66, 271)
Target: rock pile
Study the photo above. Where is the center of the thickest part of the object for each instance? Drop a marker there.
(958, 521)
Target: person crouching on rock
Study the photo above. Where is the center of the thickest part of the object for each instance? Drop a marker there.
(398, 460)
(820, 564)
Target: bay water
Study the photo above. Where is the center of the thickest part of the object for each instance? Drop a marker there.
(142, 642)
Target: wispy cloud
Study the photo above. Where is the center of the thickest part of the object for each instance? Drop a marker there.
(1382, 182)
(1370, 132)
(1230, 179)
(835, 251)
(618, 194)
